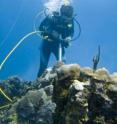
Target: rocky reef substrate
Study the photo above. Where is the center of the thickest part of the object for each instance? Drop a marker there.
(65, 94)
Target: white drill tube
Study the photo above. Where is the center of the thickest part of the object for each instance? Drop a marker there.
(60, 52)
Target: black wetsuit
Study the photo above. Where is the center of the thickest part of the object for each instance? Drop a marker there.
(54, 28)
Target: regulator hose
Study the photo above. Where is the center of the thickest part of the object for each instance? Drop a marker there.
(79, 26)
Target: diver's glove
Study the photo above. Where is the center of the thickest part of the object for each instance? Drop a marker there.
(67, 42)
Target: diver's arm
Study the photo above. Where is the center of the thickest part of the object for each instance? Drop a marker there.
(69, 35)
(71, 30)
(47, 29)
(44, 26)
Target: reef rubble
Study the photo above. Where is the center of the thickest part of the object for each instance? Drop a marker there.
(65, 94)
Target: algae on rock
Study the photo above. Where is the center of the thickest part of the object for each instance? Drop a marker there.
(65, 94)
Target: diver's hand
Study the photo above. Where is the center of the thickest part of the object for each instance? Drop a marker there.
(67, 42)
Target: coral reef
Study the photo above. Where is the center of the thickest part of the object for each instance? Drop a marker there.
(65, 94)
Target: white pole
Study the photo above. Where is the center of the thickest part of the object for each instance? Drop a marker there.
(60, 52)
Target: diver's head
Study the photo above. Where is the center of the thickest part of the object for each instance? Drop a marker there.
(67, 11)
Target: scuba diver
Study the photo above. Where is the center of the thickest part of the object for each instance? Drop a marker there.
(56, 29)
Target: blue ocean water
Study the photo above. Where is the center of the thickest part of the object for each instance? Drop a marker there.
(98, 20)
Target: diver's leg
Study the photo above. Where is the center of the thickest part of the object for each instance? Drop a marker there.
(56, 53)
(44, 58)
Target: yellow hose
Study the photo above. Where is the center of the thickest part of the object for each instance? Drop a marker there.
(15, 47)
(6, 96)
(4, 106)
